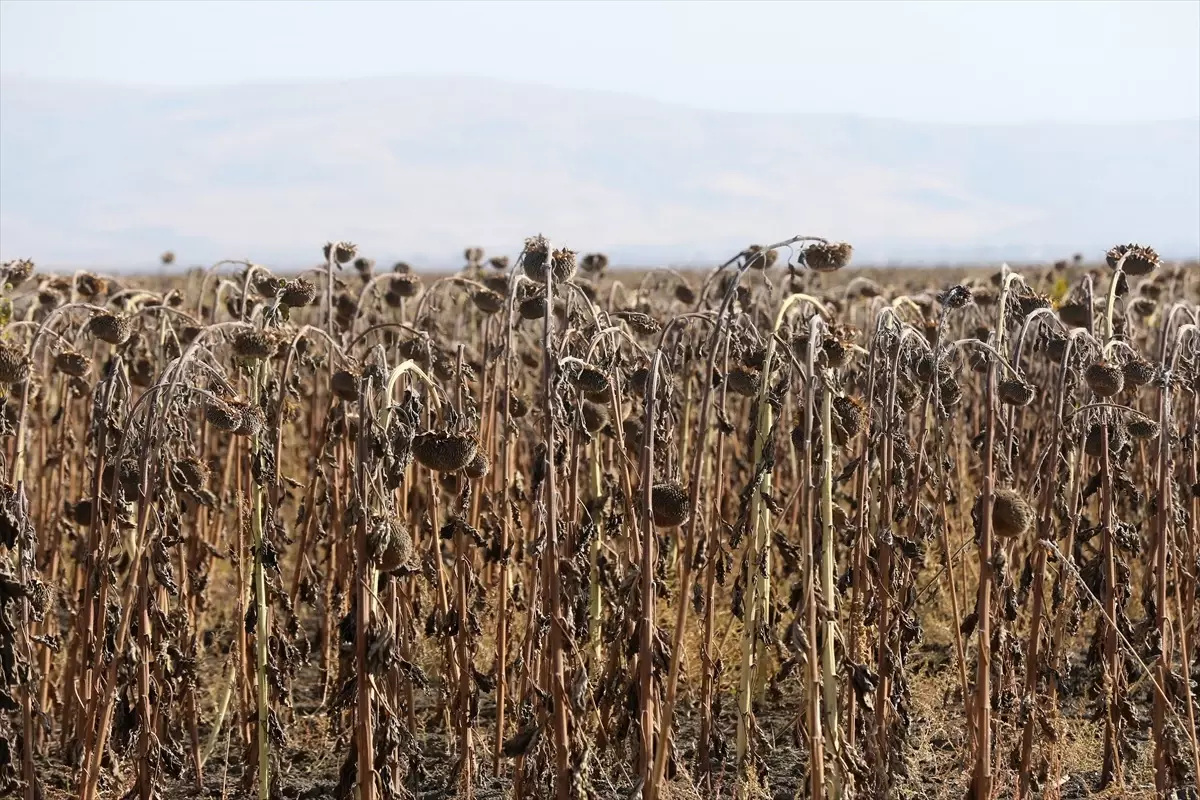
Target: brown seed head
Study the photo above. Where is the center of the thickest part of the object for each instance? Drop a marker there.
(251, 422)
(487, 301)
(1104, 379)
(406, 285)
(343, 252)
(298, 293)
(442, 451)
(743, 381)
(590, 380)
(827, 257)
(1011, 514)
(479, 466)
(532, 307)
(81, 513)
(1143, 307)
(14, 364)
(685, 294)
(594, 263)
(111, 328)
(1074, 314)
(1142, 427)
(1015, 392)
(639, 323)
(253, 343)
(517, 406)
(498, 262)
(344, 383)
(595, 416)
(69, 362)
(189, 474)
(222, 416)
(1137, 372)
(849, 418)
(389, 545)
(537, 256)
(1093, 443)
(1138, 259)
(267, 285)
(671, 504)
(758, 260)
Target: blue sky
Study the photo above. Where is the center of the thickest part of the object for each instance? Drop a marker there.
(992, 62)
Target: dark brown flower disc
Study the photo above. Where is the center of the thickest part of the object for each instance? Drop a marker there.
(487, 301)
(391, 547)
(268, 286)
(1011, 514)
(1142, 427)
(497, 283)
(252, 343)
(189, 473)
(532, 307)
(251, 420)
(595, 416)
(685, 294)
(70, 362)
(1104, 379)
(1074, 314)
(111, 328)
(1094, 441)
(406, 285)
(743, 381)
(830, 257)
(222, 416)
(849, 418)
(671, 505)
(344, 383)
(1138, 260)
(639, 323)
(14, 364)
(479, 467)
(756, 259)
(444, 452)
(1015, 392)
(590, 380)
(538, 260)
(517, 405)
(1137, 372)
(298, 293)
(81, 513)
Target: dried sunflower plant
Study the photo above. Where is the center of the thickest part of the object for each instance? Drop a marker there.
(545, 529)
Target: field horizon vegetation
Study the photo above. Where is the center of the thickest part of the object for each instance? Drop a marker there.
(538, 527)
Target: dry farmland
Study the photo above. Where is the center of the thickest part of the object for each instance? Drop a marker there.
(542, 529)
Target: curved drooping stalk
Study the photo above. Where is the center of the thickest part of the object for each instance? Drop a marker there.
(1044, 532)
(1171, 348)
(982, 711)
(758, 564)
(646, 624)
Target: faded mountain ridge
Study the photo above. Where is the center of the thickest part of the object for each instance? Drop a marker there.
(419, 167)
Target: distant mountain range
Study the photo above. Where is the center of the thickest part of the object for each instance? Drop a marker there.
(420, 167)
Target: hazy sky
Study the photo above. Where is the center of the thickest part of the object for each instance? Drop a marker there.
(1003, 61)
